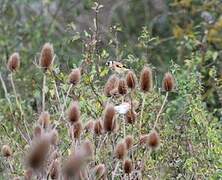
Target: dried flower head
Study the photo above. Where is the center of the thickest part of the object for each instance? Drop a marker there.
(168, 82)
(6, 151)
(37, 132)
(131, 80)
(44, 119)
(153, 140)
(14, 62)
(144, 139)
(129, 141)
(76, 130)
(75, 76)
(109, 119)
(100, 171)
(87, 148)
(74, 112)
(121, 151)
(146, 79)
(47, 55)
(122, 87)
(98, 128)
(111, 84)
(54, 169)
(130, 116)
(89, 126)
(127, 166)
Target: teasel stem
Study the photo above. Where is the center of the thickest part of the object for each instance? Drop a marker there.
(141, 114)
(19, 106)
(161, 109)
(43, 92)
(115, 170)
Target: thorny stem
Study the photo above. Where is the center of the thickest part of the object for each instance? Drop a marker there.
(161, 109)
(43, 92)
(141, 114)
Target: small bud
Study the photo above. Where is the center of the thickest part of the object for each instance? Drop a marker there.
(75, 76)
(129, 141)
(168, 82)
(14, 62)
(121, 151)
(46, 57)
(146, 79)
(6, 151)
(131, 80)
(127, 166)
(122, 87)
(74, 112)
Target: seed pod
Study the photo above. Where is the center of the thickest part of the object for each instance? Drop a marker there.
(168, 82)
(129, 141)
(146, 79)
(130, 116)
(14, 62)
(44, 119)
(74, 113)
(153, 140)
(46, 57)
(131, 80)
(127, 166)
(111, 84)
(75, 76)
(98, 128)
(109, 119)
(121, 151)
(6, 151)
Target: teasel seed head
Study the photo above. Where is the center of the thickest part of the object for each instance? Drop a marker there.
(28, 174)
(46, 57)
(144, 139)
(74, 112)
(130, 116)
(121, 151)
(14, 62)
(127, 166)
(37, 132)
(6, 151)
(44, 119)
(87, 148)
(129, 141)
(98, 128)
(89, 126)
(168, 82)
(110, 85)
(153, 140)
(75, 76)
(146, 79)
(54, 137)
(54, 169)
(109, 123)
(100, 171)
(122, 87)
(76, 130)
(131, 80)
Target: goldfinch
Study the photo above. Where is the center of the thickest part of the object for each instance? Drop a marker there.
(116, 66)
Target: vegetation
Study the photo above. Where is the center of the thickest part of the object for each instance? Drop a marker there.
(64, 114)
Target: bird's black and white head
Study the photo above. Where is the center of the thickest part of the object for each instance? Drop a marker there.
(109, 63)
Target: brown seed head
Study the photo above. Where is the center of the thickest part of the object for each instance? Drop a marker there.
(111, 84)
(129, 141)
(109, 119)
(153, 140)
(100, 171)
(130, 116)
(76, 130)
(46, 56)
(14, 62)
(75, 76)
(131, 80)
(121, 151)
(146, 79)
(54, 169)
(144, 139)
(168, 82)
(122, 87)
(6, 151)
(74, 112)
(98, 128)
(44, 119)
(127, 166)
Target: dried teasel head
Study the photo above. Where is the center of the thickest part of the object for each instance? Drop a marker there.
(144, 139)
(98, 128)
(89, 126)
(131, 80)
(75, 76)
(6, 151)
(14, 62)
(100, 171)
(129, 141)
(122, 87)
(110, 85)
(146, 79)
(153, 140)
(130, 116)
(109, 122)
(76, 130)
(121, 151)
(168, 82)
(46, 57)
(54, 169)
(44, 119)
(74, 112)
(127, 166)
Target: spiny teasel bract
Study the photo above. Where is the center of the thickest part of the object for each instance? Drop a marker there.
(44, 119)
(74, 112)
(121, 150)
(46, 57)
(14, 62)
(76, 130)
(146, 79)
(122, 87)
(54, 170)
(109, 121)
(129, 141)
(130, 116)
(131, 80)
(98, 127)
(75, 76)
(168, 82)
(110, 85)
(153, 140)
(6, 151)
(127, 166)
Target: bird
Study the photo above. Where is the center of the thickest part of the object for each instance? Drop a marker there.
(117, 66)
